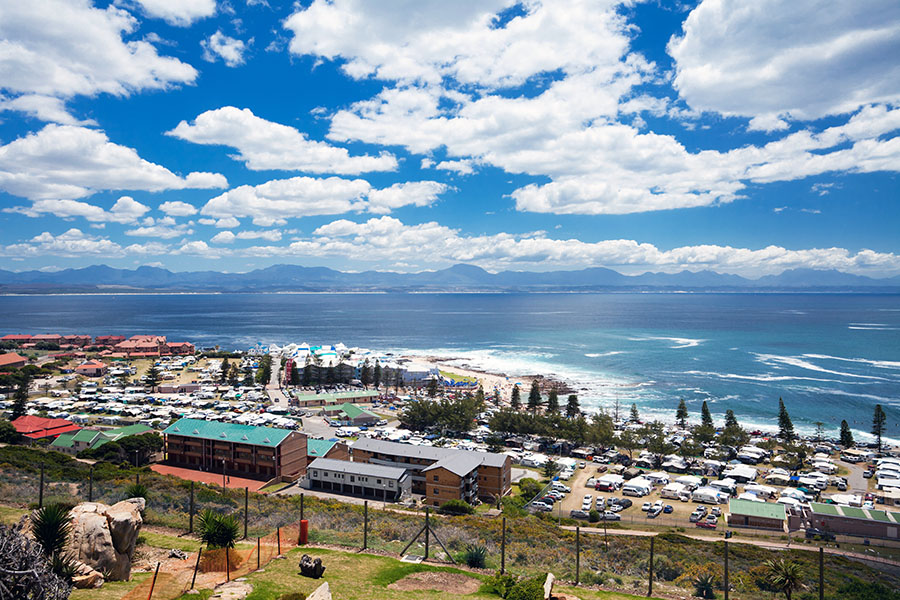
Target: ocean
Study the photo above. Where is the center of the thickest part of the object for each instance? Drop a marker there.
(829, 356)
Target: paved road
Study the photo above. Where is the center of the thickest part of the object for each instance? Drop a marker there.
(856, 483)
(273, 388)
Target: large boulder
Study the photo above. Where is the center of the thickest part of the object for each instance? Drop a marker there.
(103, 537)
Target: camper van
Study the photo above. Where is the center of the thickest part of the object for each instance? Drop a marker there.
(673, 491)
(637, 487)
(709, 495)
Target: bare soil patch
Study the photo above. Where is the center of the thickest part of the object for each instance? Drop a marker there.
(457, 583)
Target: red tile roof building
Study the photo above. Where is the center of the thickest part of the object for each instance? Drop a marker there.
(35, 428)
(11, 360)
(91, 368)
(16, 337)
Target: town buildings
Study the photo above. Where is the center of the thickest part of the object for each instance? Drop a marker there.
(350, 415)
(73, 443)
(11, 360)
(91, 368)
(35, 428)
(758, 515)
(243, 450)
(358, 479)
(442, 474)
(849, 520)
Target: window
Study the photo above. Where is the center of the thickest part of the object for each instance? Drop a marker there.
(378, 481)
(315, 473)
(435, 477)
(325, 474)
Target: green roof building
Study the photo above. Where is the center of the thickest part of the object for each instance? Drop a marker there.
(73, 443)
(243, 450)
(352, 415)
(760, 515)
(850, 520)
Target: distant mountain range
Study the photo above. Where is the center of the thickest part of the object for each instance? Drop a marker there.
(458, 278)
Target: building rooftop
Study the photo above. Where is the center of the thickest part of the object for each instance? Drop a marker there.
(11, 358)
(749, 508)
(338, 395)
(839, 510)
(37, 427)
(353, 411)
(66, 440)
(318, 448)
(228, 432)
(356, 468)
(460, 464)
(425, 452)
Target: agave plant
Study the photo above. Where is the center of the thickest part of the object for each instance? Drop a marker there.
(218, 530)
(704, 586)
(50, 526)
(136, 490)
(785, 575)
(475, 556)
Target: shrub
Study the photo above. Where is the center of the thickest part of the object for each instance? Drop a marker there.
(456, 507)
(475, 556)
(50, 526)
(527, 589)
(26, 573)
(594, 516)
(501, 584)
(867, 590)
(292, 596)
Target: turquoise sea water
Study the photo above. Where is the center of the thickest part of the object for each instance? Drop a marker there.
(829, 356)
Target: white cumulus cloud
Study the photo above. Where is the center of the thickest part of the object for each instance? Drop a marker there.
(63, 161)
(180, 13)
(264, 145)
(273, 202)
(229, 49)
(177, 208)
(125, 210)
(798, 58)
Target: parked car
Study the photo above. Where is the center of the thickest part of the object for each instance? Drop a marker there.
(579, 514)
(701, 509)
(712, 519)
(646, 506)
(654, 512)
(611, 516)
(695, 517)
(625, 502)
(668, 508)
(706, 525)
(602, 468)
(814, 532)
(716, 511)
(587, 502)
(867, 474)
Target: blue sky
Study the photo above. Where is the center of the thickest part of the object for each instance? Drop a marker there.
(405, 135)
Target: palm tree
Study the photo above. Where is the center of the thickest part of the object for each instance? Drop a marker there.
(704, 586)
(785, 575)
(218, 530)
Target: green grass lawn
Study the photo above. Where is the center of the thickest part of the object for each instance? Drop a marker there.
(458, 377)
(111, 590)
(162, 540)
(353, 576)
(10, 515)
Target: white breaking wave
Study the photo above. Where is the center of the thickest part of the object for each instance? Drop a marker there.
(796, 361)
(676, 341)
(881, 364)
(763, 378)
(869, 328)
(602, 354)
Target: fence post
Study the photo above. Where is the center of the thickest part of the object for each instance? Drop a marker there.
(137, 478)
(153, 583)
(301, 506)
(365, 524)
(726, 570)
(821, 573)
(246, 500)
(278, 536)
(427, 530)
(577, 555)
(196, 566)
(503, 549)
(91, 485)
(191, 511)
(227, 564)
(257, 554)
(41, 490)
(650, 587)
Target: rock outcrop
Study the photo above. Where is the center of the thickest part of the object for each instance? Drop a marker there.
(103, 537)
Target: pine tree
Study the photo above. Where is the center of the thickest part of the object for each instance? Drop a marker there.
(295, 374)
(376, 377)
(730, 419)
(846, 435)
(878, 421)
(20, 398)
(706, 419)
(432, 387)
(365, 375)
(572, 407)
(516, 401)
(224, 370)
(153, 377)
(534, 397)
(479, 395)
(820, 431)
(785, 425)
(681, 414)
(635, 416)
(553, 402)
(307, 373)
